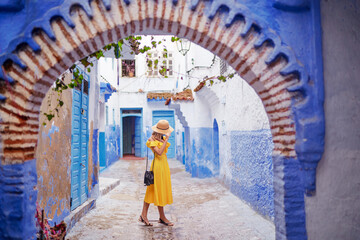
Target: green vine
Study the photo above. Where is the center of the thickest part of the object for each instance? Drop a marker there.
(134, 43)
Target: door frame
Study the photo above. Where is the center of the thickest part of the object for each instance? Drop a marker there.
(122, 115)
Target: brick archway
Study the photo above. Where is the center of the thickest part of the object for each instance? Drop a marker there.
(79, 29)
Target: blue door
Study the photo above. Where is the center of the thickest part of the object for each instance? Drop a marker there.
(169, 116)
(138, 127)
(79, 144)
(216, 160)
(127, 139)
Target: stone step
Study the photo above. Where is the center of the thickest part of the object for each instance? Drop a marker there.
(105, 185)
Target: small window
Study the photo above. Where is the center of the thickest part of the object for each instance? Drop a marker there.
(128, 68)
(86, 87)
(156, 62)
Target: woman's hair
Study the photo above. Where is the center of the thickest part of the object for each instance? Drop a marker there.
(157, 136)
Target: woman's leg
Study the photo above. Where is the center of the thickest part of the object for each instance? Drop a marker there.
(163, 218)
(143, 216)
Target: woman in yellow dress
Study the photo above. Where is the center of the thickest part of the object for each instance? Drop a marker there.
(160, 192)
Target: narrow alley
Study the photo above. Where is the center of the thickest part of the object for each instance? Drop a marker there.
(202, 209)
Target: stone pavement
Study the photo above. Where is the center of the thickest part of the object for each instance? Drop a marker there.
(202, 209)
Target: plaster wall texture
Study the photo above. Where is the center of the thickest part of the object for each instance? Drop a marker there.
(244, 110)
(53, 157)
(94, 125)
(245, 141)
(334, 212)
(18, 200)
(112, 143)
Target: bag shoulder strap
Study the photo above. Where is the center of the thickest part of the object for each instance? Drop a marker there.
(147, 158)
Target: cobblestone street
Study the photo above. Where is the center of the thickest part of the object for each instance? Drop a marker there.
(202, 209)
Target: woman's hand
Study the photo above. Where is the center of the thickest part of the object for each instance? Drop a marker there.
(167, 136)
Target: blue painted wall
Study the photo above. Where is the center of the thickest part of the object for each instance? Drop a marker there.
(95, 159)
(201, 151)
(18, 196)
(112, 144)
(102, 149)
(250, 161)
(251, 177)
(293, 197)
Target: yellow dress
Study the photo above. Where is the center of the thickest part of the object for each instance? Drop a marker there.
(160, 192)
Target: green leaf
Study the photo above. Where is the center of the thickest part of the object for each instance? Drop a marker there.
(49, 116)
(174, 39)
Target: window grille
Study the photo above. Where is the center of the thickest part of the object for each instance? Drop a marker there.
(156, 61)
(223, 66)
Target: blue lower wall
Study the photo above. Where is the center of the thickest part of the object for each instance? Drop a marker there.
(251, 177)
(289, 199)
(18, 196)
(201, 153)
(249, 158)
(95, 158)
(102, 150)
(112, 144)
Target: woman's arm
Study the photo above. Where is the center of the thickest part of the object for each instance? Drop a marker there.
(160, 150)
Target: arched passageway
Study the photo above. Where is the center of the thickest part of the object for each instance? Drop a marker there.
(74, 30)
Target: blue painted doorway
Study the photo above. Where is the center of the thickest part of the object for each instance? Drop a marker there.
(169, 116)
(132, 132)
(79, 143)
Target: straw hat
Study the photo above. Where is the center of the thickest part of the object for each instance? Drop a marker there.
(162, 127)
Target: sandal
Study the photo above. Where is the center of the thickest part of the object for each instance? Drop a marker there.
(141, 219)
(166, 223)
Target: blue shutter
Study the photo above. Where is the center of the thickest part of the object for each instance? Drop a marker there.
(75, 149)
(79, 145)
(138, 126)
